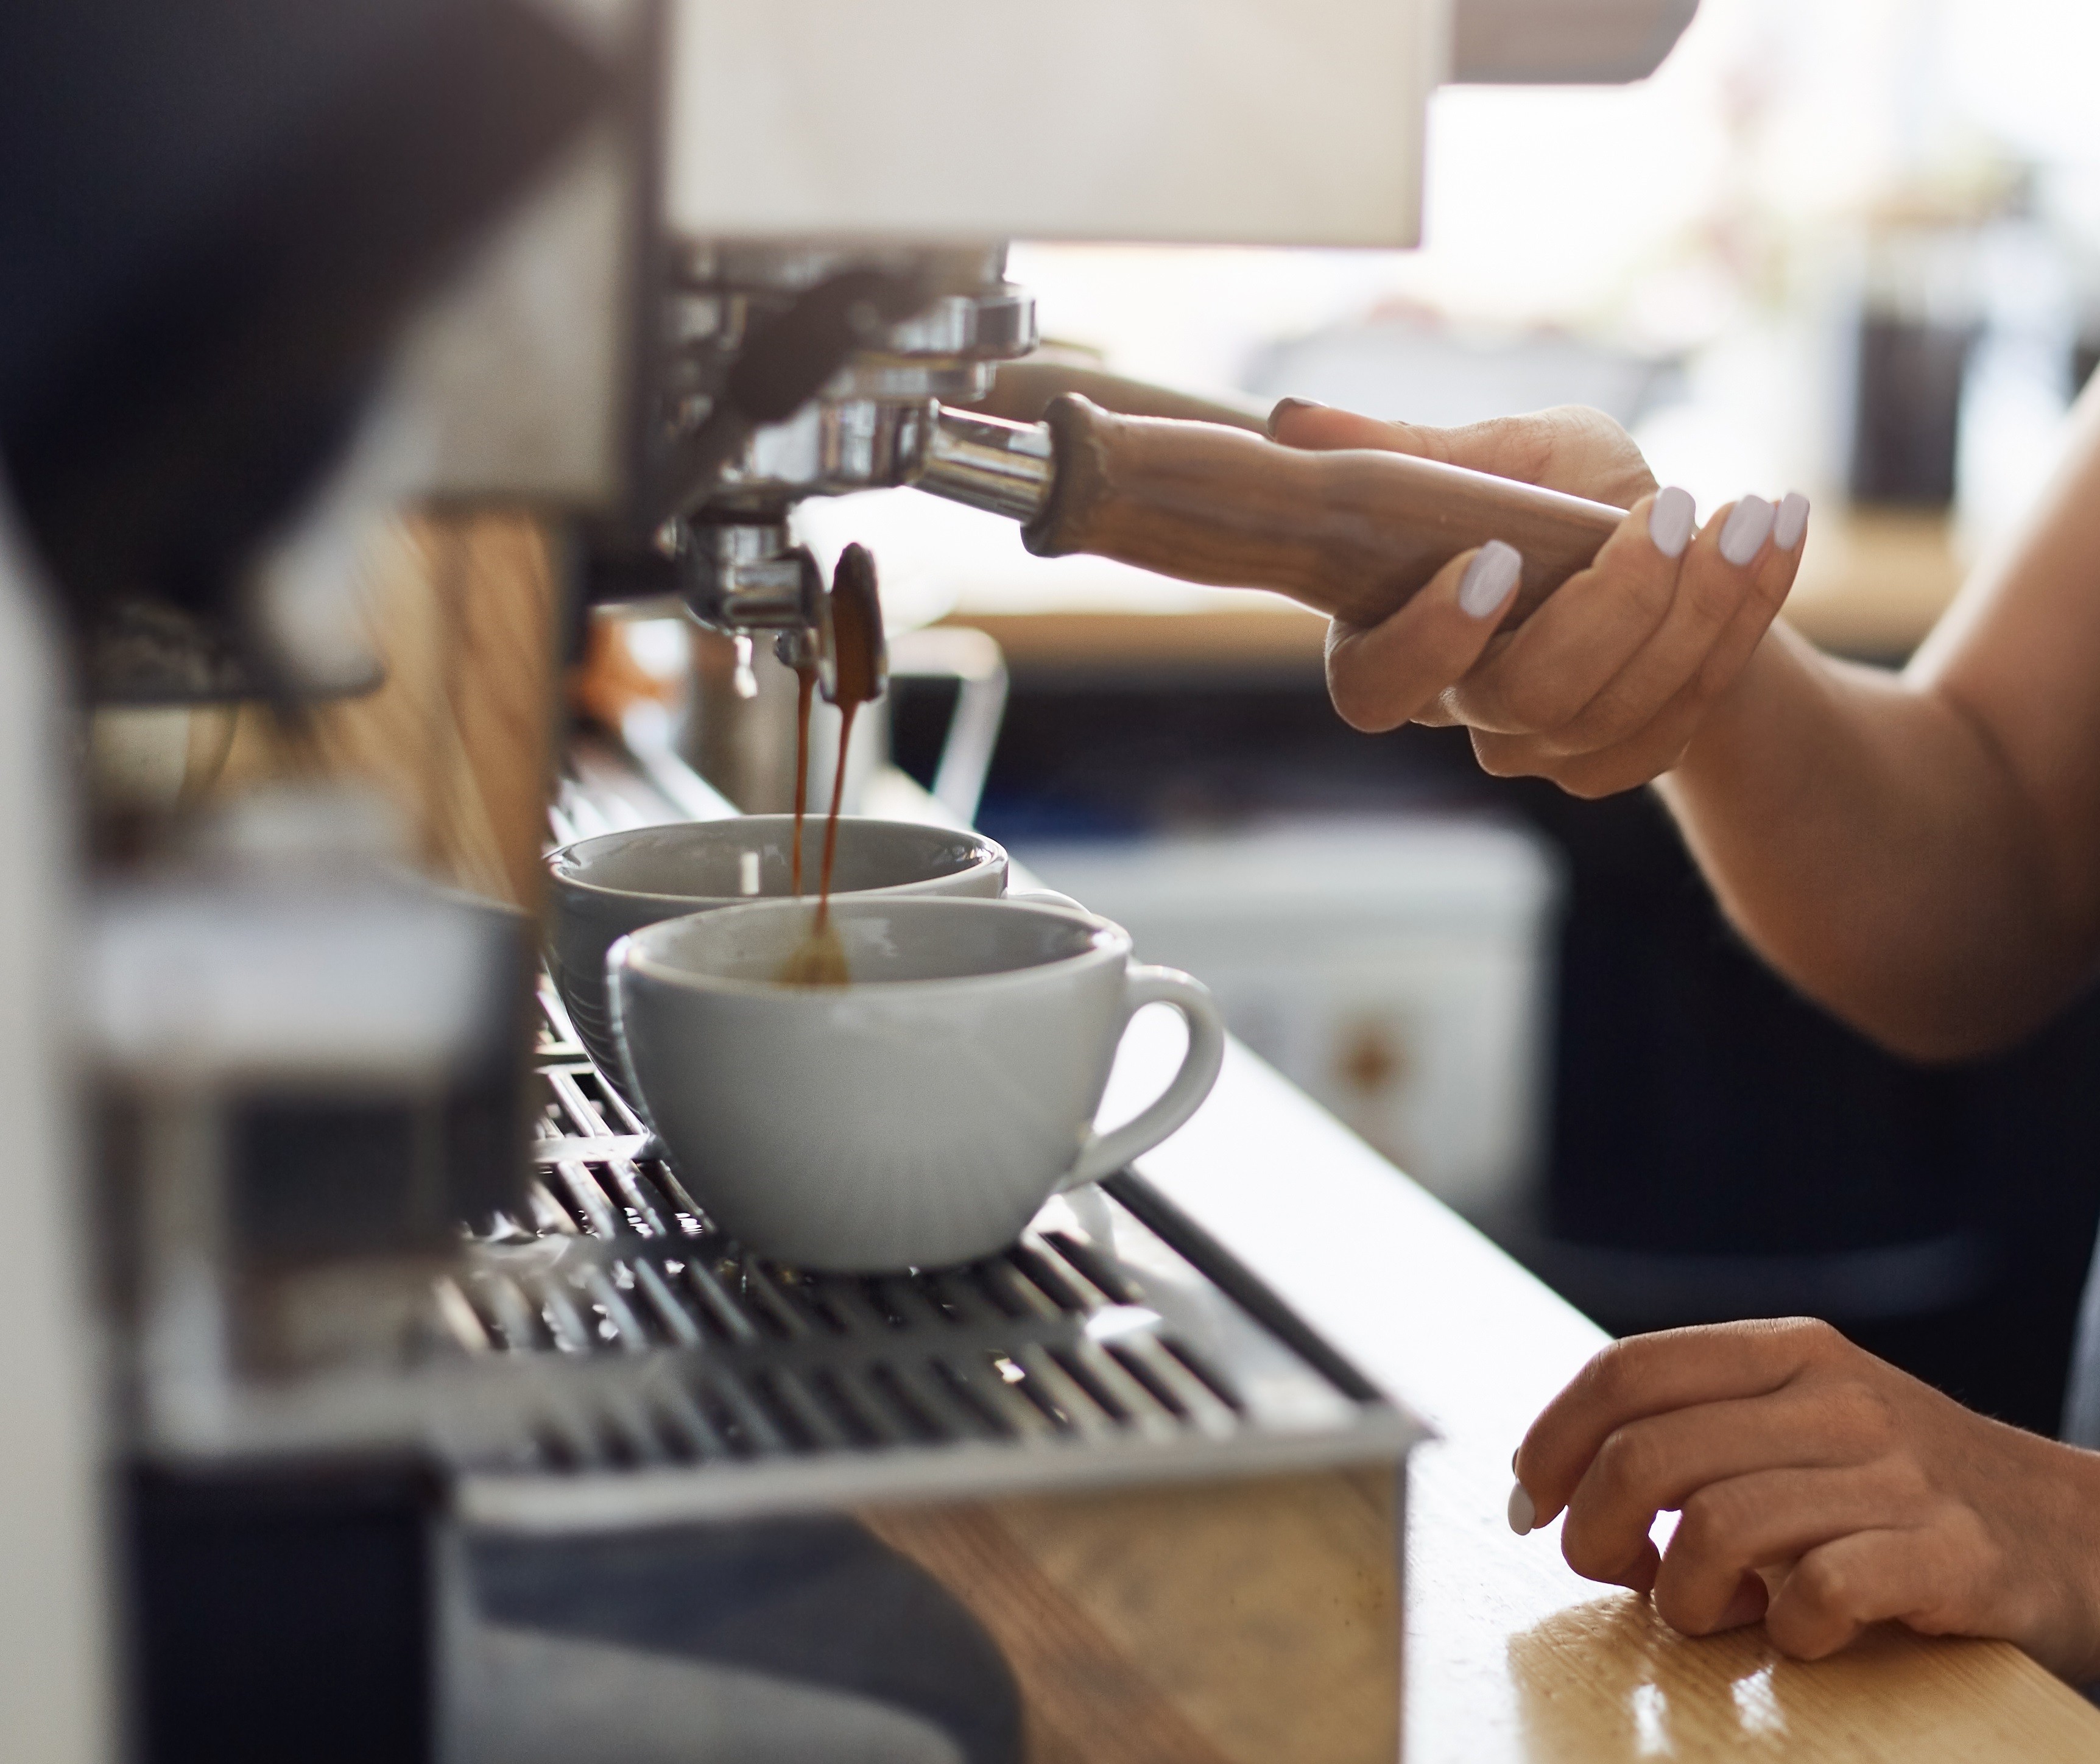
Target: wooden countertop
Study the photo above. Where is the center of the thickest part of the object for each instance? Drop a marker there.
(1871, 585)
(1510, 1655)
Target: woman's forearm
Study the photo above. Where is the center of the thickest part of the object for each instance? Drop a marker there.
(1920, 852)
(1866, 836)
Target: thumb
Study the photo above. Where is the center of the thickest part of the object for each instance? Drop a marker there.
(1297, 422)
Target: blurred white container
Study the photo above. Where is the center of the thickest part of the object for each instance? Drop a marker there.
(1400, 971)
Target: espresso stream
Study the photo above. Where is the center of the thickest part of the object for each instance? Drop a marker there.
(819, 960)
(806, 679)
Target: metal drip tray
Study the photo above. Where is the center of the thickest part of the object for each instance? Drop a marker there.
(1113, 1344)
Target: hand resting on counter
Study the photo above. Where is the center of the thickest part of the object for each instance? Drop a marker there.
(1603, 688)
(1820, 1488)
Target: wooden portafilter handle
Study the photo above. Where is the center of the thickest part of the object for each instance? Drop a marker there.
(1356, 534)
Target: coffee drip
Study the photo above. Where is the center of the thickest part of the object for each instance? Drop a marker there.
(806, 693)
(853, 660)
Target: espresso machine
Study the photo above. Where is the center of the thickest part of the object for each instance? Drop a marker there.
(346, 1293)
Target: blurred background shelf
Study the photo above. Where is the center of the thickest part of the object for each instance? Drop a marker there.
(1873, 581)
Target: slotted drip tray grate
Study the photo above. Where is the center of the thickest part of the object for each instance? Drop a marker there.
(737, 1383)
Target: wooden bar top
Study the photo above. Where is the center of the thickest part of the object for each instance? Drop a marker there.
(1510, 1656)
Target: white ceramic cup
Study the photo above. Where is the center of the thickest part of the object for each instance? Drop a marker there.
(918, 1116)
(601, 888)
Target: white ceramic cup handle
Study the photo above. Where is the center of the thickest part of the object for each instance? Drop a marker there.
(1102, 1154)
(1046, 897)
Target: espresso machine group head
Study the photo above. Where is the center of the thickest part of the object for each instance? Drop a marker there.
(838, 183)
(798, 369)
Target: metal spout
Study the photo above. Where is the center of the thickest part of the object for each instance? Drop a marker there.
(1008, 468)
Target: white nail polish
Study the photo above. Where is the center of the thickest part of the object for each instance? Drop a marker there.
(1669, 518)
(1791, 522)
(1749, 526)
(1522, 1514)
(1488, 578)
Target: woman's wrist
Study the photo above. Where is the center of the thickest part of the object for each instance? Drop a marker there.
(1744, 749)
(2062, 1552)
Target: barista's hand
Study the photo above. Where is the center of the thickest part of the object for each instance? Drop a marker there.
(1571, 447)
(1821, 1490)
(1603, 687)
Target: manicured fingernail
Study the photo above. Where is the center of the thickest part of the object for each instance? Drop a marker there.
(1522, 1515)
(1285, 407)
(1791, 522)
(1488, 578)
(1669, 522)
(1749, 526)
